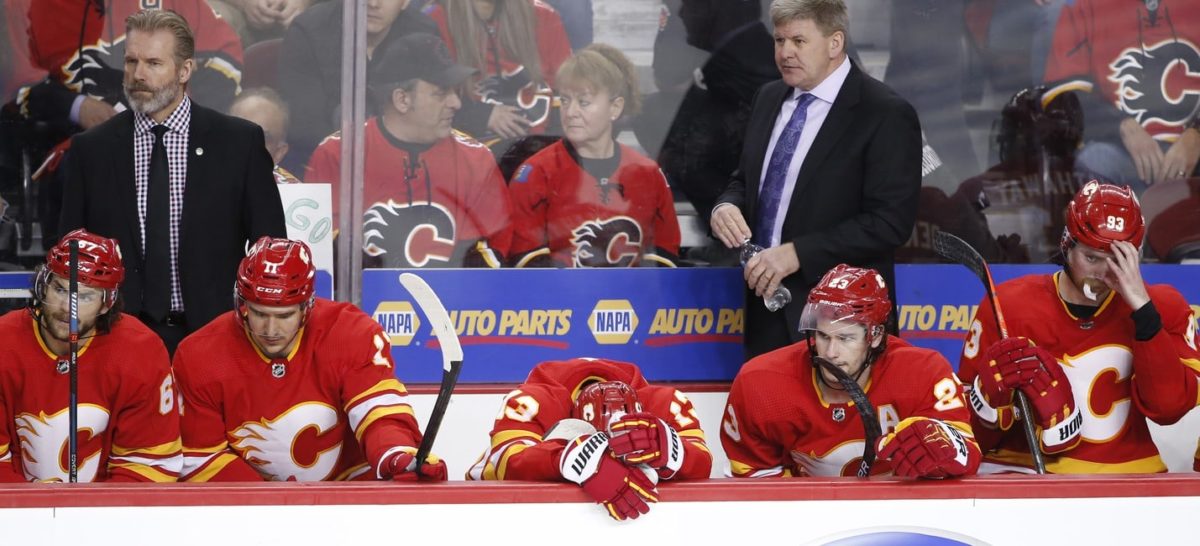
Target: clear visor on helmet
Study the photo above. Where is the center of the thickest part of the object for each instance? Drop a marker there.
(830, 318)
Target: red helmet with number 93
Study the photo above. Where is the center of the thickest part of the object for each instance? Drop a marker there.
(1102, 213)
(276, 273)
(600, 403)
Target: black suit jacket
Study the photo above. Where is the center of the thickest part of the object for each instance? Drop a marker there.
(855, 199)
(230, 199)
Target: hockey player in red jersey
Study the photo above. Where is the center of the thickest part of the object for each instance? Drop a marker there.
(787, 417)
(290, 387)
(1135, 63)
(1095, 350)
(431, 197)
(127, 421)
(587, 200)
(552, 426)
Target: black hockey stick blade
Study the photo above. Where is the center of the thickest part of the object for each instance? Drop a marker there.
(866, 411)
(959, 251)
(452, 357)
(72, 363)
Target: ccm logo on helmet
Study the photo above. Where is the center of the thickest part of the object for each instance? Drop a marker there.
(268, 290)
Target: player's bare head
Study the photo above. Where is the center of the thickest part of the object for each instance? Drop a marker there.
(845, 316)
(275, 273)
(99, 273)
(1099, 216)
(264, 107)
(602, 68)
(600, 402)
(829, 16)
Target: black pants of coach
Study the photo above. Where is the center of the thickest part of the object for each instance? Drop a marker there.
(171, 329)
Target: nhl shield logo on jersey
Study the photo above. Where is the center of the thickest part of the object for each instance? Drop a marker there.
(412, 235)
(615, 242)
(1158, 83)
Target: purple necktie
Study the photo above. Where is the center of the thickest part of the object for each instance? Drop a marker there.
(771, 192)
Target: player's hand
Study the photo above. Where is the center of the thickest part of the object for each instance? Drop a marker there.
(1125, 274)
(729, 225)
(1147, 156)
(507, 121)
(927, 448)
(766, 270)
(642, 438)
(402, 468)
(1008, 364)
(623, 490)
(93, 112)
(1053, 405)
(1181, 158)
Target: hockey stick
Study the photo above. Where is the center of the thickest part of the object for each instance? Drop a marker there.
(866, 411)
(452, 357)
(959, 251)
(72, 364)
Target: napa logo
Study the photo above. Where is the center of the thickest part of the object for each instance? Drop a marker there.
(612, 322)
(936, 318)
(399, 320)
(899, 535)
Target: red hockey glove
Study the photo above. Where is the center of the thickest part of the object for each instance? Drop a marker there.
(927, 448)
(1053, 406)
(401, 468)
(624, 491)
(1009, 363)
(641, 438)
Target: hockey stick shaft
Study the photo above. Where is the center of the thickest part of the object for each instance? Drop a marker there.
(72, 363)
(452, 357)
(959, 251)
(866, 412)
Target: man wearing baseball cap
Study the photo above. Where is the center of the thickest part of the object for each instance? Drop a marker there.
(432, 197)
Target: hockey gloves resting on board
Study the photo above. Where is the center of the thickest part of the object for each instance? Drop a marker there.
(625, 491)
(928, 448)
(1016, 363)
(642, 438)
(402, 468)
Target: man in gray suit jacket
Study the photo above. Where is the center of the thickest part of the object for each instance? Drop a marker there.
(182, 188)
(830, 171)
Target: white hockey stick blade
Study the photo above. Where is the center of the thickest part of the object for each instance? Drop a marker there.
(443, 329)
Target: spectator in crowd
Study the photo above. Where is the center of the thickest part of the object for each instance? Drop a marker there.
(126, 179)
(644, 433)
(1132, 61)
(1096, 351)
(516, 46)
(588, 200)
(265, 108)
(310, 65)
(576, 18)
(126, 399)
(432, 197)
(290, 387)
(830, 171)
(790, 414)
(257, 20)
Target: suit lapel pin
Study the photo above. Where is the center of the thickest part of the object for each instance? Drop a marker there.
(199, 151)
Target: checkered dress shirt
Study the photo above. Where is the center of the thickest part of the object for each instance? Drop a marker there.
(176, 141)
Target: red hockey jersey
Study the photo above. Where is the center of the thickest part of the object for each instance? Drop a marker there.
(128, 422)
(1117, 382)
(504, 80)
(1144, 65)
(518, 451)
(333, 410)
(54, 46)
(432, 210)
(562, 211)
(777, 423)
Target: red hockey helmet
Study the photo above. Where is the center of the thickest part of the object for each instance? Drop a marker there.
(100, 264)
(1102, 213)
(277, 273)
(601, 402)
(851, 294)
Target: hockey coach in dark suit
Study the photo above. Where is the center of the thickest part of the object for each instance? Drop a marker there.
(829, 173)
(183, 188)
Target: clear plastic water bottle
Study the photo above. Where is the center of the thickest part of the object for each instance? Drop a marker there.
(776, 300)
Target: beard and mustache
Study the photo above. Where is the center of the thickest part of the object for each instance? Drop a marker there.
(159, 97)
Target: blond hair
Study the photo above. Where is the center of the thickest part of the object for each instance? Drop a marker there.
(602, 67)
(151, 20)
(516, 25)
(829, 15)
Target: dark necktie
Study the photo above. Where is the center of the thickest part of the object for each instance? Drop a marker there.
(771, 192)
(156, 297)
